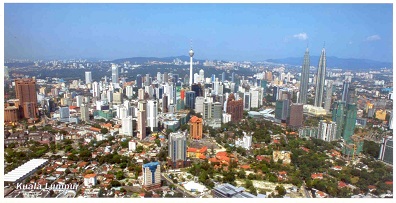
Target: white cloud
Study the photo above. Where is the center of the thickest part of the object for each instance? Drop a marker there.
(373, 38)
(301, 36)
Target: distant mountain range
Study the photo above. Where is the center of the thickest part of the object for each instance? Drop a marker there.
(335, 62)
(142, 60)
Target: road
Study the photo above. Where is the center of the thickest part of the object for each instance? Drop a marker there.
(306, 192)
(179, 188)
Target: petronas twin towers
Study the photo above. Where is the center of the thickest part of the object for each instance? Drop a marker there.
(320, 79)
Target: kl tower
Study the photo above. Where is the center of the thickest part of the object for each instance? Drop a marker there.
(191, 52)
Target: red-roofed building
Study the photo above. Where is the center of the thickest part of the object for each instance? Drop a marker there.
(246, 167)
(341, 184)
(304, 149)
(317, 176)
(94, 129)
(197, 153)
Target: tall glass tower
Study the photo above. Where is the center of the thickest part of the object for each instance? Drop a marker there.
(320, 80)
(304, 79)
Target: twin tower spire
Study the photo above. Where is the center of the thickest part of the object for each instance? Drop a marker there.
(320, 78)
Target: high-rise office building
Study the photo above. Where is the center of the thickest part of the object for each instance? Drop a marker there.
(151, 175)
(129, 91)
(235, 108)
(304, 78)
(199, 102)
(88, 77)
(114, 73)
(165, 104)
(386, 150)
(246, 101)
(141, 124)
(25, 90)
(207, 110)
(295, 119)
(329, 94)
(282, 109)
(345, 88)
(177, 149)
(223, 76)
(139, 81)
(196, 128)
(190, 99)
(350, 122)
(338, 117)
(351, 96)
(320, 81)
(198, 90)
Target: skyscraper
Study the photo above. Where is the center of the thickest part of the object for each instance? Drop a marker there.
(139, 81)
(304, 79)
(295, 119)
(345, 88)
(141, 124)
(338, 117)
(320, 81)
(152, 109)
(191, 53)
(190, 99)
(127, 127)
(235, 108)
(25, 90)
(196, 128)
(114, 73)
(350, 122)
(96, 90)
(329, 93)
(84, 112)
(151, 175)
(88, 77)
(327, 130)
(177, 149)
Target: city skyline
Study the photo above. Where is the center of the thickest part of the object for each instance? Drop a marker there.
(253, 31)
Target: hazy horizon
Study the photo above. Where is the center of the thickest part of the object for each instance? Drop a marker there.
(236, 32)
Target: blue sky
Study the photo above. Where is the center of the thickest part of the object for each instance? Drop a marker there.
(218, 31)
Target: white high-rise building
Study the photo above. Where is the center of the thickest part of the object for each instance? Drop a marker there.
(159, 77)
(199, 101)
(79, 100)
(197, 78)
(88, 77)
(127, 127)
(96, 90)
(132, 146)
(114, 73)
(151, 175)
(122, 112)
(152, 111)
(202, 75)
(129, 92)
(150, 91)
(327, 131)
